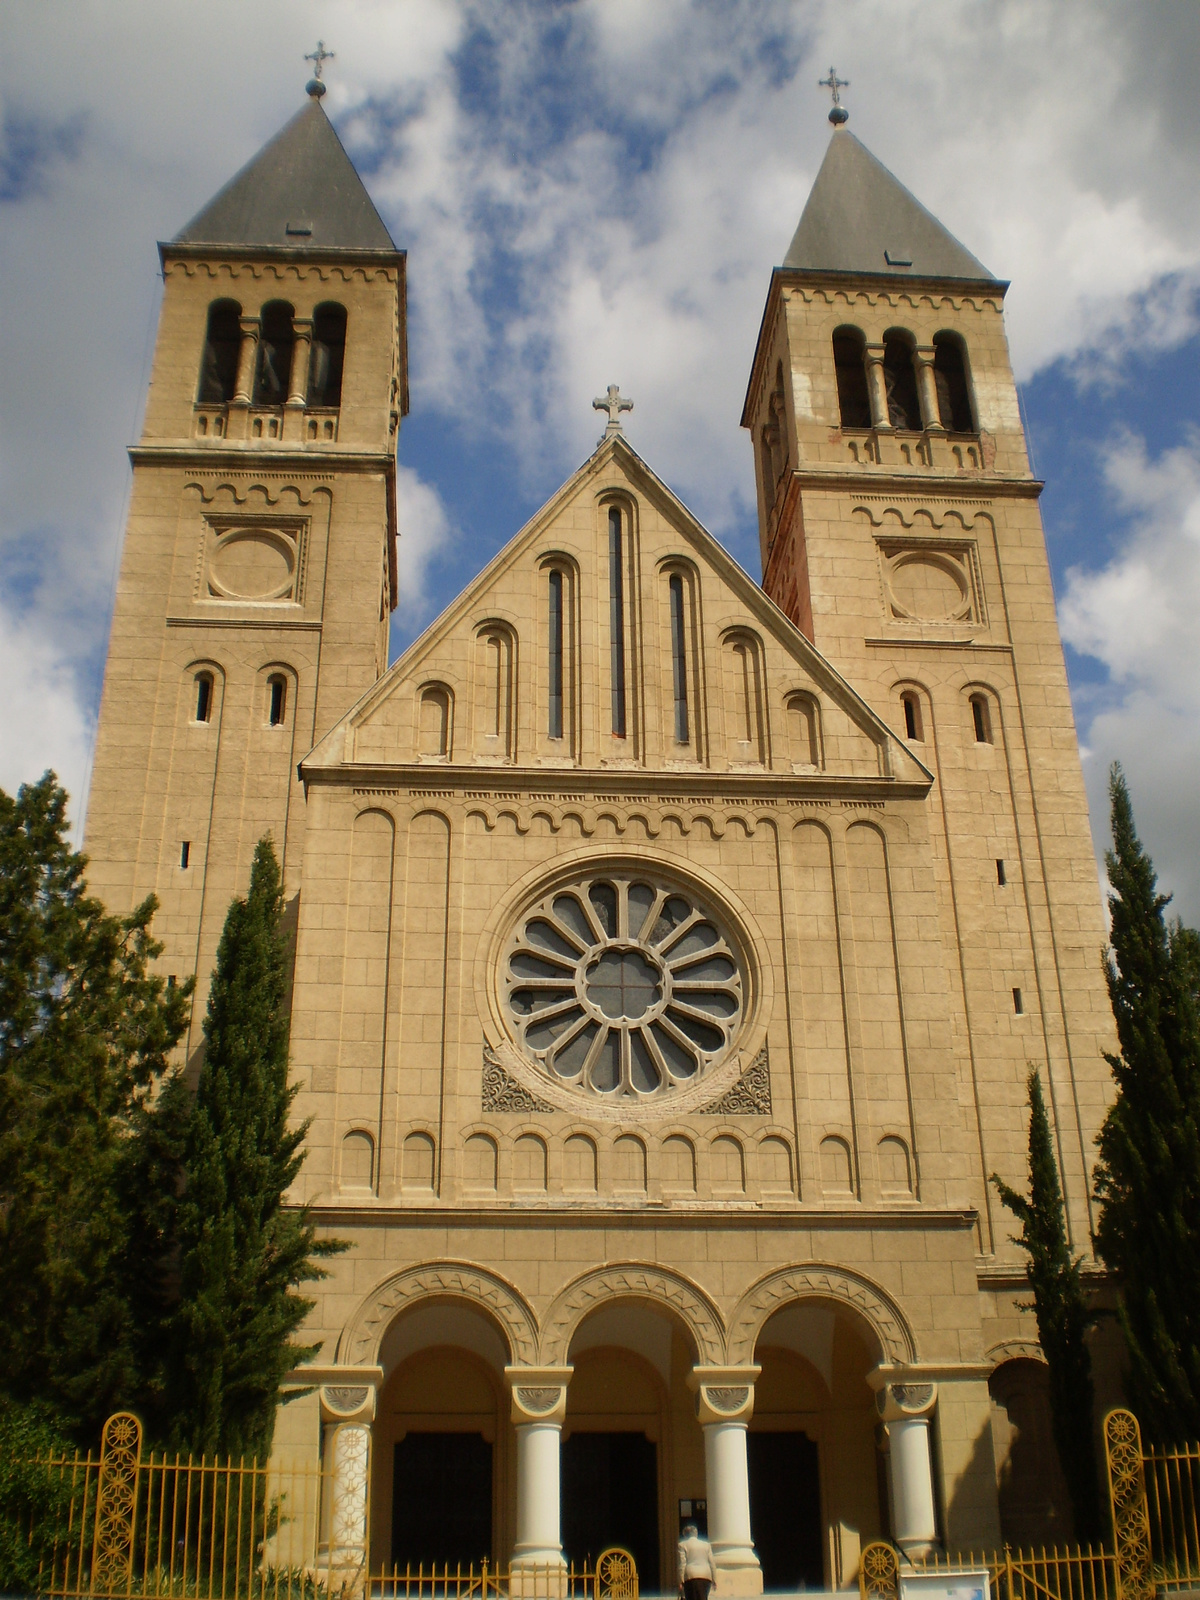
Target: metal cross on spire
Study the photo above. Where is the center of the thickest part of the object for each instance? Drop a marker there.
(318, 58)
(614, 402)
(838, 113)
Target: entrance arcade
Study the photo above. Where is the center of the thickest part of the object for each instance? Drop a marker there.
(476, 1456)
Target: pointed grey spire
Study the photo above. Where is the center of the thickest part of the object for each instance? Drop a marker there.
(859, 218)
(300, 191)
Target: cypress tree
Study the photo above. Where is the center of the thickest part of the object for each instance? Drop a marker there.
(1148, 1175)
(241, 1250)
(85, 1034)
(1062, 1316)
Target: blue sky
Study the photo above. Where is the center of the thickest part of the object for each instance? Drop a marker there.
(595, 191)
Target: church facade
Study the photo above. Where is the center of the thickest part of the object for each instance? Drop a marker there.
(671, 949)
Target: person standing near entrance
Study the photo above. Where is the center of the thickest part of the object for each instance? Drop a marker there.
(697, 1570)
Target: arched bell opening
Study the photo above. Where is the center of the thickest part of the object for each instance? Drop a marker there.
(632, 1451)
(444, 1481)
(814, 1468)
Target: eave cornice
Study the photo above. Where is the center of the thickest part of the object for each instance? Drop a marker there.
(533, 784)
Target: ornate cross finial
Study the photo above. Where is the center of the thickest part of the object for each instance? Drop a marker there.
(838, 113)
(614, 402)
(318, 58)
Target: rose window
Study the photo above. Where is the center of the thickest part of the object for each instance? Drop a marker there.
(621, 986)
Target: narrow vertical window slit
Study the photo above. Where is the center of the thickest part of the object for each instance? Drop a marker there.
(616, 616)
(556, 656)
(679, 660)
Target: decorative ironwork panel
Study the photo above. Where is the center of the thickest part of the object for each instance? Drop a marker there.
(116, 1504)
(879, 1572)
(616, 1575)
(1127, 1492)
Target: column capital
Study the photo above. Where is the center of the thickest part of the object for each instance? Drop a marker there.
(723, 1394)
(924, 354)
(906, 1402)
(539, 1394)
(874, 352)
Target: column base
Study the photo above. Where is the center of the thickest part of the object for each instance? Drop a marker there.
(738, 1572)
(537, 1575)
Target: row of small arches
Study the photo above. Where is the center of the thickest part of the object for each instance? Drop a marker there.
(721, 1165)
(275, 334)
(496, 691)
(204, 697)
(979, 706)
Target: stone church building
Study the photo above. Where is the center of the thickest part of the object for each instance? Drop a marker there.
(670, 948)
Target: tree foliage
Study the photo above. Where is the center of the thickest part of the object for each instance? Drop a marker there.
(35, 1499)
(1063, 1318)
(1148, 1176)
(242, 1254)
(85, 1034)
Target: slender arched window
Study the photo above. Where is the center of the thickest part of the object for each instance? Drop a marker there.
(679, 664)
(850, 365)
(204, 696)
(981, 718)
(616, 619)
(275, 346)
(277, 691)
(555, 724)
(950, 377)
(900, 383)
(328, 355)
(912, 715)
(222, 347)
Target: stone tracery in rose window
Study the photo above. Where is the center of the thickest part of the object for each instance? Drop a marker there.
(622, 986)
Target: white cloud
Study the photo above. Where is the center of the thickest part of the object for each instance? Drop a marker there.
(1137, 615)
(43, 723)
(427, 536)
(588, 193)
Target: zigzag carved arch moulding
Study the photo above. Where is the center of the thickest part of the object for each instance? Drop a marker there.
(815, 1281)
(362, 1336)
(637, 1281)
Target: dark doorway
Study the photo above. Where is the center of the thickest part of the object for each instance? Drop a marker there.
(442, 1499)
(610, 1496)
(785, 1510)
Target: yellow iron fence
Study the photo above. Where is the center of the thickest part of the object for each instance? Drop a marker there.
(121, 1524)
(1154, 1501)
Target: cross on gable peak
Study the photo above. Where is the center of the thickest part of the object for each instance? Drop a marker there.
(613, 402)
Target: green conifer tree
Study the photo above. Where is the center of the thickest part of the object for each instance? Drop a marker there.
(1063, 1318)
(1148, 1176)
(241, 1251)
(85, 1034)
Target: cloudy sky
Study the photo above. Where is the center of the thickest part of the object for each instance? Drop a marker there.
(596, 191)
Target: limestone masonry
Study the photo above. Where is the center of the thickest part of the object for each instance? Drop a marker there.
(670, 950)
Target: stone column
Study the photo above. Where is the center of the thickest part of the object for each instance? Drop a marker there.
(539, 1404)
(724, 1406)
(905, 1409)
(247, 355)
(931, 418)
(876, 387)
(298, 384)
(347, 1411)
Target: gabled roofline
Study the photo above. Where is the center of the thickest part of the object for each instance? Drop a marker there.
(733, 573)
(994, 288)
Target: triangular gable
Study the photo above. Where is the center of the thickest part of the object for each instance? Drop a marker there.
(478, 689)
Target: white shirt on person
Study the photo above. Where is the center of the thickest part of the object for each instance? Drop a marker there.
(696, 1559)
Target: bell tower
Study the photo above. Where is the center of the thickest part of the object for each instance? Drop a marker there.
(899, 529)
(259, 564)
